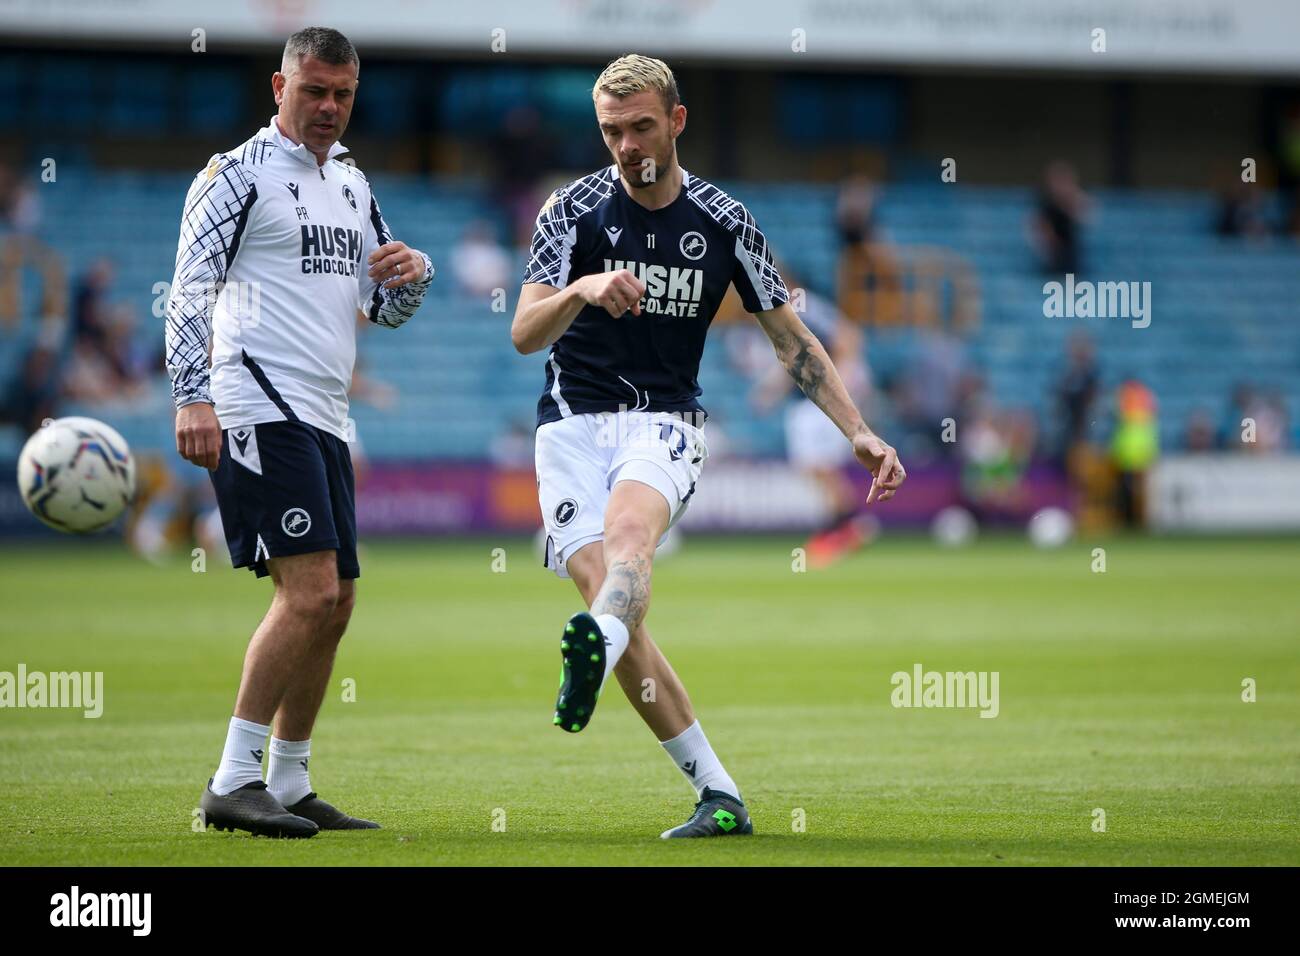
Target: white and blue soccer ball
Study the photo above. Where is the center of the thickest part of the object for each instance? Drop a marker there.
(76, 475)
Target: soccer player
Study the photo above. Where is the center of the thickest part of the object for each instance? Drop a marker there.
(280, 244)
(627, 268)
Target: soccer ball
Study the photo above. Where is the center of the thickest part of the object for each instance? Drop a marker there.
(1050, 528)
(954, 527)
(76, 475)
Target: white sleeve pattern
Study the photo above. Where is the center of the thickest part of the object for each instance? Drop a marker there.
(393, 307)
(551, 253)
(216, 212)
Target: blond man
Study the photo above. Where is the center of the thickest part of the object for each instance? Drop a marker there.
(627, 269)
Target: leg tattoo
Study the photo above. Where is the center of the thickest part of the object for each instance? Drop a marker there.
(626, 591)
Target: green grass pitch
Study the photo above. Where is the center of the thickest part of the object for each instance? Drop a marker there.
(1120, 691)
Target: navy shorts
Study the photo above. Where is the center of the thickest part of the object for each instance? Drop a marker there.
(286, 488)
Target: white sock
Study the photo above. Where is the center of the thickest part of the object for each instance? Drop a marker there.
(241, 761)
(615, 632)
(694, 757)
(286, 774)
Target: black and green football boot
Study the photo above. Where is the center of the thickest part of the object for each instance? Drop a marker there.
(582, 649)
(717, 814)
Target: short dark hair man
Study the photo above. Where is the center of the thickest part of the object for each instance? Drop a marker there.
(280, 245)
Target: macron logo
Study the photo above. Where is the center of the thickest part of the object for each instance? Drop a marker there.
(689, 767)
(103, 909)
(613, 234)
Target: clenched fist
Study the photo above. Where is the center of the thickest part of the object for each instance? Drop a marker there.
(615, 292)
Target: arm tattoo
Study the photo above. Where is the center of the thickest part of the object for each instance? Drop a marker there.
(810, 367)
(807, 369)
(626, 592)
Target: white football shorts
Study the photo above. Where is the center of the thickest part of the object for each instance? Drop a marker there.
(579, 459)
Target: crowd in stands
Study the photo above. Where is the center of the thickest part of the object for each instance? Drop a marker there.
(68, 339)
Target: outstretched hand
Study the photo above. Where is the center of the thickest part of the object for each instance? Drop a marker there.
(881, 460)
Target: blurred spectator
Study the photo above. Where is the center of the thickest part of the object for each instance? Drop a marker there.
(869, 282)
(30, 394)
(937, 384)
(108, 367)
(1076, 393)
(1134, 447)
(20, 206)
(90, 307)
(1241, 212)
(1240, 403)
(1199, 436)
(1266, 428)
(33, 393)
(855, 212)
(478, 263)
(996, 448)
(1063, 207)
